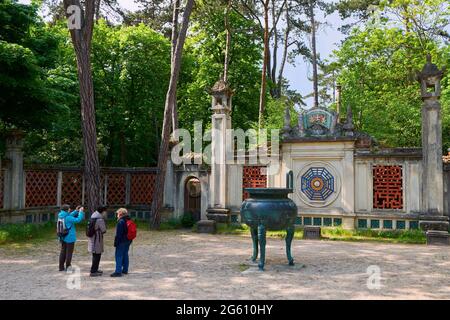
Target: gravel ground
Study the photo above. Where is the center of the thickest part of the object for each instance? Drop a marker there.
(186, 265)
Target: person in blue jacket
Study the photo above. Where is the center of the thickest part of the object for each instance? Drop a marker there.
(121, 243)
(68, 241)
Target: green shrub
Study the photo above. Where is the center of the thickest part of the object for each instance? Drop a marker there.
(24, 232)
(187, 221)
(171, 224)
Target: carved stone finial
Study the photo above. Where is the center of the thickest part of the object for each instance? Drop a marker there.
(301, 125)
(287, 121)
(221, 87)
(14, 139)
(430, 80)
(348, 125)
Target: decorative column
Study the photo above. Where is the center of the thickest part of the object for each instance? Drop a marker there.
(14, 197)
(221, 121)
(338, 102)
(432, 219)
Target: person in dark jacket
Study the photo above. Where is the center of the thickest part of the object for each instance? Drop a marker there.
(121, 243)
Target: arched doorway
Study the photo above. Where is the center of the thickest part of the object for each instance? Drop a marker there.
(192, 198)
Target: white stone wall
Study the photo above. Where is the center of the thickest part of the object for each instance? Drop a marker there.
(337, 157)
(364, 184)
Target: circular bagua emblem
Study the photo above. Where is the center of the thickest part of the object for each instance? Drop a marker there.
(317, 183)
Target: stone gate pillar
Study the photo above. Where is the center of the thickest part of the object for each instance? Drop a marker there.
(432, 219)
(14, 197)
(221, 122)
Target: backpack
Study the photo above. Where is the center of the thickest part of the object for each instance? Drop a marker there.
(131, 230)
(61, 230)
(90, 228)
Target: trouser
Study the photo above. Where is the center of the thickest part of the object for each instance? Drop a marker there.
(95, 262)
(65, 256)
(122, 261)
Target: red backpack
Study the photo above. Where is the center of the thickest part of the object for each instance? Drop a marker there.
(131, 230)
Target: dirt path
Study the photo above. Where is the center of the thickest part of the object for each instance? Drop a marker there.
(185, 265)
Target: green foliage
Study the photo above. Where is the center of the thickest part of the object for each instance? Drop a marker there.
(171, 224)
(338, 233)
(393, 236)
(27, 53)
(377, 70)
(24, 232)
(205, 61)
(187, 220)
(131, 69)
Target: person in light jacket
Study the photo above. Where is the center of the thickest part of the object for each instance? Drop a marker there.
(68, 242)
(96, 243)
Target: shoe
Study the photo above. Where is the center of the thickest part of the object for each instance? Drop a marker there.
(62, 270)
(115, 275)
(125, 272)
(69, 269)
(95, 274)
(100, 271)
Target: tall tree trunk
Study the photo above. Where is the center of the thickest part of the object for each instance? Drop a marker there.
(176, 12)
(262, 96)
(170, 101)
(81, 39)
(314, 53)
(228, 41)
(275, 44)
(285, 50)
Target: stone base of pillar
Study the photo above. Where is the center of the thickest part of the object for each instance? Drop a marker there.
(220, 215)
(436, 229)
(438, 238)
(312, 232)
(433, 222)
(206, 226)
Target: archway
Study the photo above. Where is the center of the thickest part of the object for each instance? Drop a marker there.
(192, 198)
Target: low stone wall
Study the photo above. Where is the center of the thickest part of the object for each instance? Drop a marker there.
(43, 215)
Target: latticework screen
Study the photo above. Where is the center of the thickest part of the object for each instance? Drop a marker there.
(72, 188)
(116, 189)
(253, 177)
(387, 187)
(142, 187)
(41, 188)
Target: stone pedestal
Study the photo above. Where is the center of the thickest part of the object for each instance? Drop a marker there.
(206, 226)
(433, 222)
(312, 233)
(220, 215)
(441, 238)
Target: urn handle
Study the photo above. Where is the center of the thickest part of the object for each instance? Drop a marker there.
(290, 180)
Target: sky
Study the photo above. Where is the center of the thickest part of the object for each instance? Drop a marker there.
(328, 38)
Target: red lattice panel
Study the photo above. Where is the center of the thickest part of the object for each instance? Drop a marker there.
(41, 188)
(142, 187)
(72, 188)
(253, 177)
(387, 187)
(116, 189)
